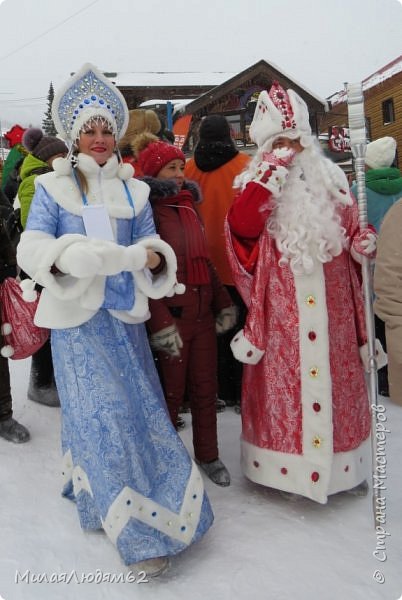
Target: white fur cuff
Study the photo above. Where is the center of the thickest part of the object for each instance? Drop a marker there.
(244, 351)
(163, 284)
(380, 356)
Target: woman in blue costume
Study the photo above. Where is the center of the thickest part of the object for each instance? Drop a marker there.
(90, 242)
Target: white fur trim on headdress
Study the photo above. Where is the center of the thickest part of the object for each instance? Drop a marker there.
(269, 122)
(88, 93)
(91, 113)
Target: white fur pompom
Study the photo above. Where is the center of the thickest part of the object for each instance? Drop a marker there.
(6, 329)
(179, 288)
(28, 290)
(7, 351)
(126, 171)
(62, 166)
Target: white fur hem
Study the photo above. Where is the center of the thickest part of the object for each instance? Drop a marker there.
(244, 351)
(295, 473)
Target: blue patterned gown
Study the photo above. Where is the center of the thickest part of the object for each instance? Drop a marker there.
(124, 464)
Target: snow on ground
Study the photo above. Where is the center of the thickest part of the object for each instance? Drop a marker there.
(260, 547)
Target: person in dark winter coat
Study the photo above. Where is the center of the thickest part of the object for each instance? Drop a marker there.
(383, 190)
(43, 150)
(13, 179)
(215, 165)
(183, 327)
(10, 429)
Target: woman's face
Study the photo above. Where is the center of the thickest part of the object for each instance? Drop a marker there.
(173, 170)
(97, 140)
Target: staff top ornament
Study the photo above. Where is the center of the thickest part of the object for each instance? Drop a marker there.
(86, 95)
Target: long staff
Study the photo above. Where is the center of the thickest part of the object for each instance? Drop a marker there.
(358, 142)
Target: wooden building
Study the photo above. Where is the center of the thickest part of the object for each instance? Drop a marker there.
(233, 95)
(237, 97)
(382, 103)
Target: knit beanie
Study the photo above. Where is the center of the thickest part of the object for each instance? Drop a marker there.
(215, 145)
(380, 154)
(215, 128)
(42, 146)
(153, 155)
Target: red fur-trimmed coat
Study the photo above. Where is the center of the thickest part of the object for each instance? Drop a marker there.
(305, 409)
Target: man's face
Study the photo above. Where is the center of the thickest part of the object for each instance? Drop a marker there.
(285, 142)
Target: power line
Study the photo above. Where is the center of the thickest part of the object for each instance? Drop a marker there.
(48, 31)
(22, 99)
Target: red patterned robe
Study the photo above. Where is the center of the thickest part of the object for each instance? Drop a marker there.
(305, 408)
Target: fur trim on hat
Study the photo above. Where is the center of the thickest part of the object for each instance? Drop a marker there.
(141, 141)
(380, 154)
(165, 188)
(140, 120)
(153, 154)
(280, 113)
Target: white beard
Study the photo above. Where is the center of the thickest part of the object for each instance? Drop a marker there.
(305, 221)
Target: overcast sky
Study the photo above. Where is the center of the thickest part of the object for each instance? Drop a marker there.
(319, 43)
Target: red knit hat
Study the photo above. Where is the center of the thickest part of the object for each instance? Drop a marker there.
(156, 155)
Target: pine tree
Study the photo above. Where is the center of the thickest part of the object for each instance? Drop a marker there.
(47, 123)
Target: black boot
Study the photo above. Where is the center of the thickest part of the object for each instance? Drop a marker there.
(46, 394)
(216, 471)
(42, 386)
(12, 431)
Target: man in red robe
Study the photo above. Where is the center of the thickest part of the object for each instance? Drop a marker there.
(295, 250)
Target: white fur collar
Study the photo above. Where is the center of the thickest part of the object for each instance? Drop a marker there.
(91, 169)
(105, 186)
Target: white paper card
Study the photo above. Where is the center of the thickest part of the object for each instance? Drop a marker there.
(97, 223)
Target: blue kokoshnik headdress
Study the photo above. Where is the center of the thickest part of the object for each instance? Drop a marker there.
(87, 95)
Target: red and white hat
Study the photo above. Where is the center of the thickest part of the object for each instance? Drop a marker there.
(280, 113)
(156, 155)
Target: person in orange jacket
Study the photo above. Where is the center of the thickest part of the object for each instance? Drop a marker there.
(215, 165)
